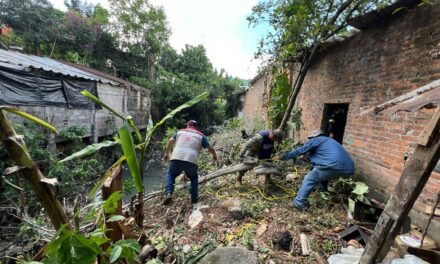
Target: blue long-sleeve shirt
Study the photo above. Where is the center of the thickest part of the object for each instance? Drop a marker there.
(324, 152)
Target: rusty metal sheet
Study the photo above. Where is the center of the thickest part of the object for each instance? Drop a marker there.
(428, 99)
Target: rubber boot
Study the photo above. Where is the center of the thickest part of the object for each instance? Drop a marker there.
(267, 180)
(240, 178)
(168, 199)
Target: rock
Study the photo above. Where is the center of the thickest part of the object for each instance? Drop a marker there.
(239, 255)
(147, 252)
(186, 248)
(196, 217)
(231, 203)
(234, 208)
(291, 177)
(266, 210)
(283, 239)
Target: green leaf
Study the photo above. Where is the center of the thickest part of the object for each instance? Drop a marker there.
(85, 250)
(115, 218)
(110, 205)
(90, 149)
(130, 155)
(101, 103)
(116, 252)
(171, 114)
(129, 243)
(351, 204)
(30, 117)
(99, 240)
(360, 189)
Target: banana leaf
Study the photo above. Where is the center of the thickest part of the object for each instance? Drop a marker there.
(128, 148)
(90, 149)
(194, 101)
(128, 119)
(29, 117)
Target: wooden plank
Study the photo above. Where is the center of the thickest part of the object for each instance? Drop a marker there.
(414, 177)
(113, 184)
(425, 138)
(305, 246)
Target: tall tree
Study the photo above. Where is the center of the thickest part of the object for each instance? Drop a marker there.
(299, 29)
(141, 29)
(83, 7)
(35, 21)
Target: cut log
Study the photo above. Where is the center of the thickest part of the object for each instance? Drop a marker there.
(113, 184)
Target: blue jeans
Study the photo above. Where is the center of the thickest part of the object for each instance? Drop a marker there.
(175, 169)
(316, 177)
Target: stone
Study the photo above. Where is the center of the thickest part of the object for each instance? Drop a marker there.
(196, 216)
(228, 254)
(186, 248)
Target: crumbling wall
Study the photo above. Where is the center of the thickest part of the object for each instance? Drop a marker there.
(255, 106)
(374, 66)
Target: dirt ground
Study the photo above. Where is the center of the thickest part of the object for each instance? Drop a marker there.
(263, 218)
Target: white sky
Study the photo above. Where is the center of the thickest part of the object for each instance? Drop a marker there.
(219, 25)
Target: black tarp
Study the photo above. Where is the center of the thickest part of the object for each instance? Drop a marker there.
(73, 89)
(27, 88)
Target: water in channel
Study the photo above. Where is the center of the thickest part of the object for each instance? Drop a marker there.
(154, 177)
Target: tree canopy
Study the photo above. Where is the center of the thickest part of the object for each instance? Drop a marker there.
(299, 27)
(130, 40)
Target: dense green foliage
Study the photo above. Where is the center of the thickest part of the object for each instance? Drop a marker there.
(131, 41)
(298, 29)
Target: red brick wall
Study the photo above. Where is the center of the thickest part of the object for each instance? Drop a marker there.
(255, 98)
(374, 66)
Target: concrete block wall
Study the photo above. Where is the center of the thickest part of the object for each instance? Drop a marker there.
(100, 122)
(376, 65)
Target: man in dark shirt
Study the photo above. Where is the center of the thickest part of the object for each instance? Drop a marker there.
(329, 159)
(260, 146)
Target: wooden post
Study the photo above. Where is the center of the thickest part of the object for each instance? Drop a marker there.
(414, 177)
(113, 184)
(18, 152)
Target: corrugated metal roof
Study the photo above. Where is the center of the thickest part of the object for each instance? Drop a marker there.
(20, 61)
(101, 74)
(425, 96)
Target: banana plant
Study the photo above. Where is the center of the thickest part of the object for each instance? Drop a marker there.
(130, 147)
(17, 150)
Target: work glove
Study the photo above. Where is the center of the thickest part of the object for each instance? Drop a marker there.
(284, 156)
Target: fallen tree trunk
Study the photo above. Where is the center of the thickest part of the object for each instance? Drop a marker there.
(211, 176)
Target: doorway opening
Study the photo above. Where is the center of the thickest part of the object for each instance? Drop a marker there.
(334, 120)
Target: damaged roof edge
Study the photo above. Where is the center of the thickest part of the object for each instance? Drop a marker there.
(425, 96)
(26, 62)
(369, 19)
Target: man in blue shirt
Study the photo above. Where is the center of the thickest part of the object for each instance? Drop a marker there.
(329, 159)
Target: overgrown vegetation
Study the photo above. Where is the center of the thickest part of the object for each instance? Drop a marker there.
(131, 41)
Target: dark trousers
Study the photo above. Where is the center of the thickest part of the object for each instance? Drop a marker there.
(175, 169)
